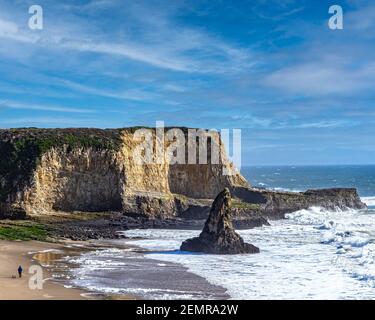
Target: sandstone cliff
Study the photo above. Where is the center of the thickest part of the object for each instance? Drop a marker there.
(46, 170)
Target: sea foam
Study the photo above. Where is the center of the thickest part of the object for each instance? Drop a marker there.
(370, 201)
(297, 255)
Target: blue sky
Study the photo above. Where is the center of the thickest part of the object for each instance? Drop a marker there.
(300, 92)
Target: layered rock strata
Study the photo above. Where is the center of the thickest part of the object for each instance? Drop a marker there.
(48, 170)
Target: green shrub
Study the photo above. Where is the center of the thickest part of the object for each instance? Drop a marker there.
(23, 232)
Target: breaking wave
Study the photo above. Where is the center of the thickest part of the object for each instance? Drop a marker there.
(370, 201)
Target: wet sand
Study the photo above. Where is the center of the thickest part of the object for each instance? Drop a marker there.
(15, 253)
(135, 280)
(156, 279)
(129, 270)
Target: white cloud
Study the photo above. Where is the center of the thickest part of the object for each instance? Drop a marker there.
(322, 78)
(131, 94)
(327, 124)
(8, 28)
(48, 121)
(156, 41)
(174, 87)
(26, 106)
(361, 20)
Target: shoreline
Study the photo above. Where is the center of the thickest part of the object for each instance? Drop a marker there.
(43, 254)
(138, 267)
(123, 269)
(143, 273)
(15, 253)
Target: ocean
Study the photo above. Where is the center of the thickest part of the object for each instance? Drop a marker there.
(312, 254)
(301, 178)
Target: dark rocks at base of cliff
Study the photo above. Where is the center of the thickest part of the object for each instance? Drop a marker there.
(87, 230)
(275, 204)
(110, 227)
(250, 208)
(7, 212)
(335, 198)
(244, 215)
(218, 235)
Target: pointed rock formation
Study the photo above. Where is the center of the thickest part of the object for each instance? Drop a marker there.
(218, 235)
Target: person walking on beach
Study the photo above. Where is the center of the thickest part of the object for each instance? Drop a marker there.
(20, 271)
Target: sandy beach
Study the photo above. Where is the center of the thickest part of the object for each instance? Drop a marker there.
(15, 253)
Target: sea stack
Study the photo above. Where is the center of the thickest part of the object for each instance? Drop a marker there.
(218, 235)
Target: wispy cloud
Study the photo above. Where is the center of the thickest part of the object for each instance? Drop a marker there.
(329, 62)
(285, 12)
(322, 78)
(327, 124)
(48, 122)
(27, 106)
(131, 94)
(172, 46)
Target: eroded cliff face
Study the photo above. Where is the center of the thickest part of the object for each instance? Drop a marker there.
(205, 180)
(81, 179)
(94, 170)
(47, 170)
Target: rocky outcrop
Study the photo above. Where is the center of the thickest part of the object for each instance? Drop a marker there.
(274, 205)
(218, 235)
(49, 170)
